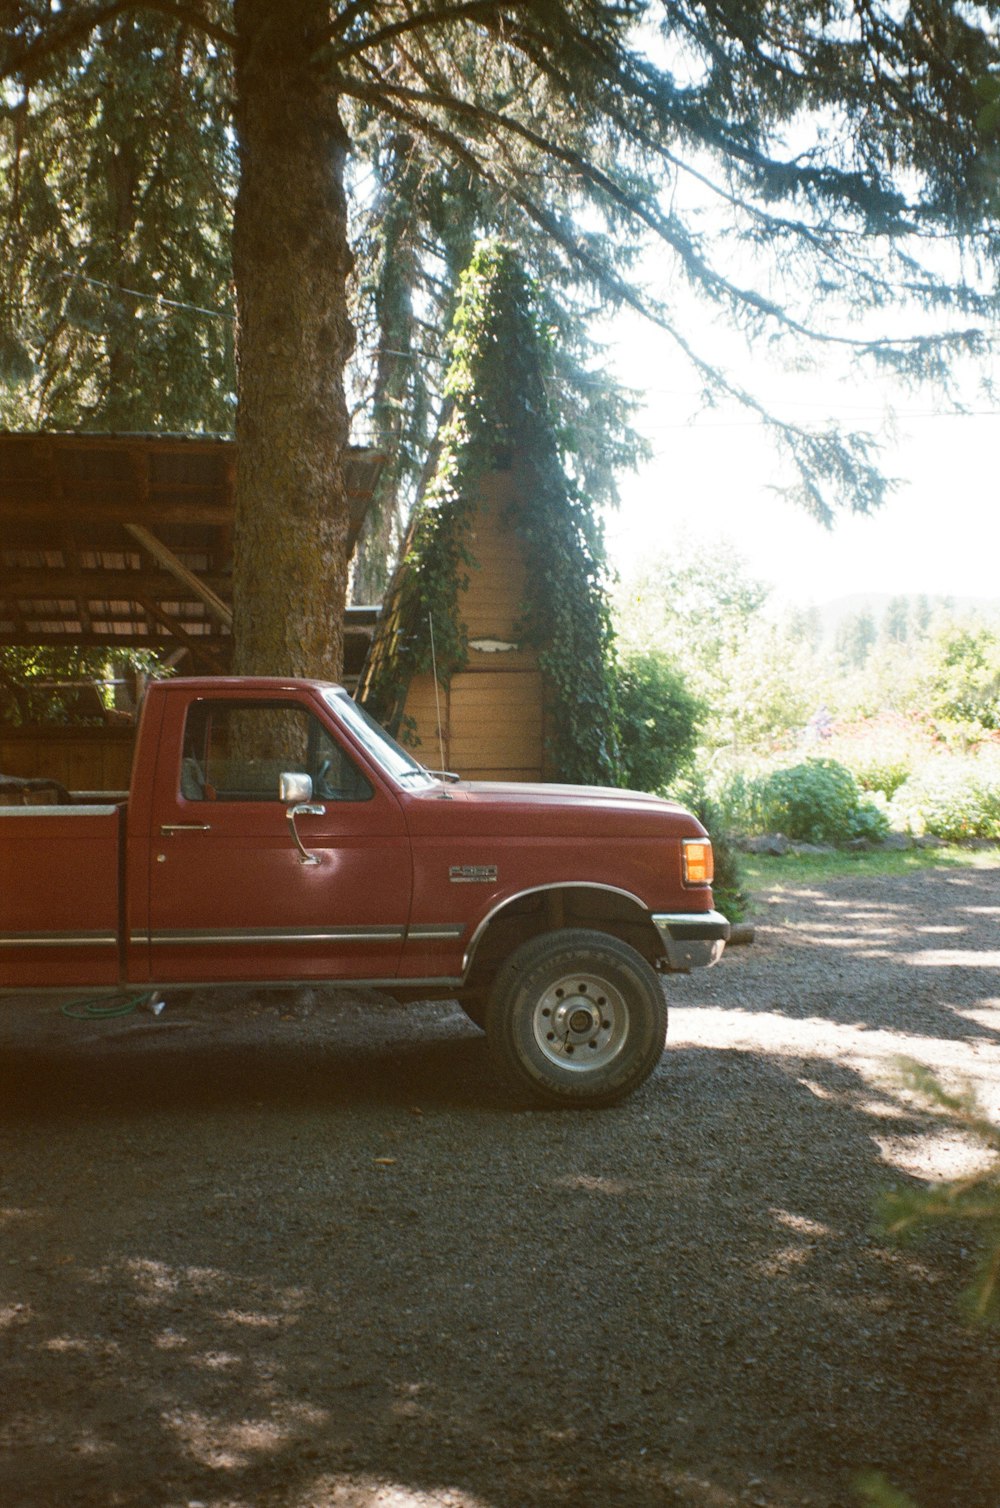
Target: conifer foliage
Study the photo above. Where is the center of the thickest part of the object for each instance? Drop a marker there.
(115, 267)
(843, 140)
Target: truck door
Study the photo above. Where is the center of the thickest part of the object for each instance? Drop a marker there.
(232, 895)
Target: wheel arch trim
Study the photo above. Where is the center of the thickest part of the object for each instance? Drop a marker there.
(483, 925)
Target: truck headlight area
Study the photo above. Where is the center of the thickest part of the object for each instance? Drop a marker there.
(697, 861)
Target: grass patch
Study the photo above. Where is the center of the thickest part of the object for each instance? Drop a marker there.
(768, 872)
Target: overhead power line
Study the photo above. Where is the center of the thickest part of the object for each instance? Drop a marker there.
(155, 298)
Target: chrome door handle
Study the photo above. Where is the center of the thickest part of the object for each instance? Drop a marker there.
(186, 827)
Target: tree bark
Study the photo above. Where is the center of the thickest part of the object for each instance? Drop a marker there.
(291, 259)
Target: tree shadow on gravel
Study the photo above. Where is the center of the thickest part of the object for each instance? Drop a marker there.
(329, 1271)
(332, 1059)
(916, 955)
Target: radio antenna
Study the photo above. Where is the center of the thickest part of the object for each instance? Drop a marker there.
(437, 693)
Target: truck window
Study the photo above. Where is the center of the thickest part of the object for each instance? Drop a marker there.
(237, 751)
(390, 756)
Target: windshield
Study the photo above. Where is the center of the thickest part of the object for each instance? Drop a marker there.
(387, 753)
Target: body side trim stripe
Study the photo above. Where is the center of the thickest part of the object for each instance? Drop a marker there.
(444, 931)
(83, 810)
(254, 936)
(390, 982)
(58, 940)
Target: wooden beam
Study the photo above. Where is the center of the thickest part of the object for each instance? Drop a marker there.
(95, 584)
(30, 638)
(71, 555)
(28, 442)
(169, 560)
(28, 503)
(199, 651)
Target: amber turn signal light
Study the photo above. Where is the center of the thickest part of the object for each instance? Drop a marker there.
(699, 867)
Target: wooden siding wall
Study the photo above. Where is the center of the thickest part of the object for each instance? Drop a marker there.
(81, 759)
(491, 722)
(493, 712)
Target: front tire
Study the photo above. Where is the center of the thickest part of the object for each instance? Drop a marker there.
(576, 1018)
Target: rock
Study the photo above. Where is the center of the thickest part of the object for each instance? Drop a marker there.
(768, 843)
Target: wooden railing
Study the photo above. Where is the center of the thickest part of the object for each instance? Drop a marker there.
(81, 759)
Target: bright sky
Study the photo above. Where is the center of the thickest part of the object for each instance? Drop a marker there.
(939, 533)
(712, 475)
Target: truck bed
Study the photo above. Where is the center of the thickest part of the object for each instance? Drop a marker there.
(60, 895)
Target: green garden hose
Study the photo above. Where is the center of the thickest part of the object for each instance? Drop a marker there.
(97, 1008)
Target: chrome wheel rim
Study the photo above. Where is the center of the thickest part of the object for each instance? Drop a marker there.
(580, 1023)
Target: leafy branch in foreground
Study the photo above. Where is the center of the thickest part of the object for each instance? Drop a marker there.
(973, 1200)
(876, 1491)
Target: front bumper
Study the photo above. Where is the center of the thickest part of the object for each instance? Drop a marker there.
(691, 939)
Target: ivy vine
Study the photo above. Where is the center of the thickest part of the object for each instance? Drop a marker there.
(499, 413)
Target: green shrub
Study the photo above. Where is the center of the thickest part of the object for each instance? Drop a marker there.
(735, 795)
(657, 721)
(965, 681)
(818, 801)
(63, 686)
(951, 798)
(881, 774)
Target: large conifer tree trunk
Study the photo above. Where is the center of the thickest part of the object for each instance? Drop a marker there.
(291, 258)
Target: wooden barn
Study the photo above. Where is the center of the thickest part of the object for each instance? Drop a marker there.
(487, 721)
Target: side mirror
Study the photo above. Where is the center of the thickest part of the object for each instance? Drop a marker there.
(294, 788)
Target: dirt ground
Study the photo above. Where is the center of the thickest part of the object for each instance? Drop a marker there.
(302, 1253)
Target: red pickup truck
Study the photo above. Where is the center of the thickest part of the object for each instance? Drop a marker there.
(275, 834)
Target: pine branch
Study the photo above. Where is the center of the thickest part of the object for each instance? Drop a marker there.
(712, 281)
(74, 27)
(822, 458)
(439, 15)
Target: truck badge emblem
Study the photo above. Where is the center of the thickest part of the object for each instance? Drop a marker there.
(472, 874)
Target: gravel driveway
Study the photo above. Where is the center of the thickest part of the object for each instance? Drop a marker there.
(304, 1255)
